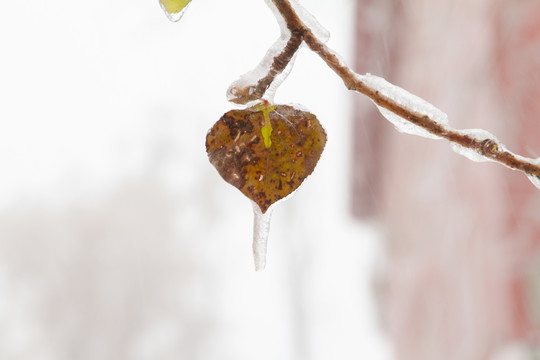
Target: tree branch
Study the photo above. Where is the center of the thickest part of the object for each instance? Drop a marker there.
(243, 95)
(487, 147)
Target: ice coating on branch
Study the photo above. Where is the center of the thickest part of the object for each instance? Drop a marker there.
(261, 229)
(310, 21)
(305, 16)
(535, 179)
(481, 135)
(490, 145)
(409, 101)
(278, 80)
(285, 33)
(249, 80)
(243, 90)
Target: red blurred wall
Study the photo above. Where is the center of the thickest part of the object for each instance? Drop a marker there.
(460, 277)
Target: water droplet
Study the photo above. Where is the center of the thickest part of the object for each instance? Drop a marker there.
(174, 9)
(261, 229)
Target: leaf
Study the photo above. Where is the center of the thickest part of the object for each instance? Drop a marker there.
(266, 152)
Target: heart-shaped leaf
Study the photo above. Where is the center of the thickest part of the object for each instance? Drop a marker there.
(266, 152)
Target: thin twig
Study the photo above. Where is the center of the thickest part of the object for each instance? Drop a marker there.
(243, 95)
(353, 81)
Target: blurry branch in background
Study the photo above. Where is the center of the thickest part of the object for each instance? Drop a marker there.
(407, 112)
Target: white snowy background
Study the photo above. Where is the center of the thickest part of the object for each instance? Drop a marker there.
(118, 239)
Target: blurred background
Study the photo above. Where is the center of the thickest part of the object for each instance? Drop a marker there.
(119, 240)
(461, 274)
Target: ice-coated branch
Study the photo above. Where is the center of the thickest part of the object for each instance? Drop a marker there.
(243, 93)
(407, 112)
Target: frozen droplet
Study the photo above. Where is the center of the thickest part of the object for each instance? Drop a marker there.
(478, 134)
(174, 9)
(261, 229)
(408, 101)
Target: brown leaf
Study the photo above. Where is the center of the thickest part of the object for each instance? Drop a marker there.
(266, 171)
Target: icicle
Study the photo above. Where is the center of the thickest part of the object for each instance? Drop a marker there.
(261, 229)
(174, 9)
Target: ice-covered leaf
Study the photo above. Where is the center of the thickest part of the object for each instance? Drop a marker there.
(174, 9)
(266, 152)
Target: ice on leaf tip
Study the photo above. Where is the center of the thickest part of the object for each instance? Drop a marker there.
(174, 9)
